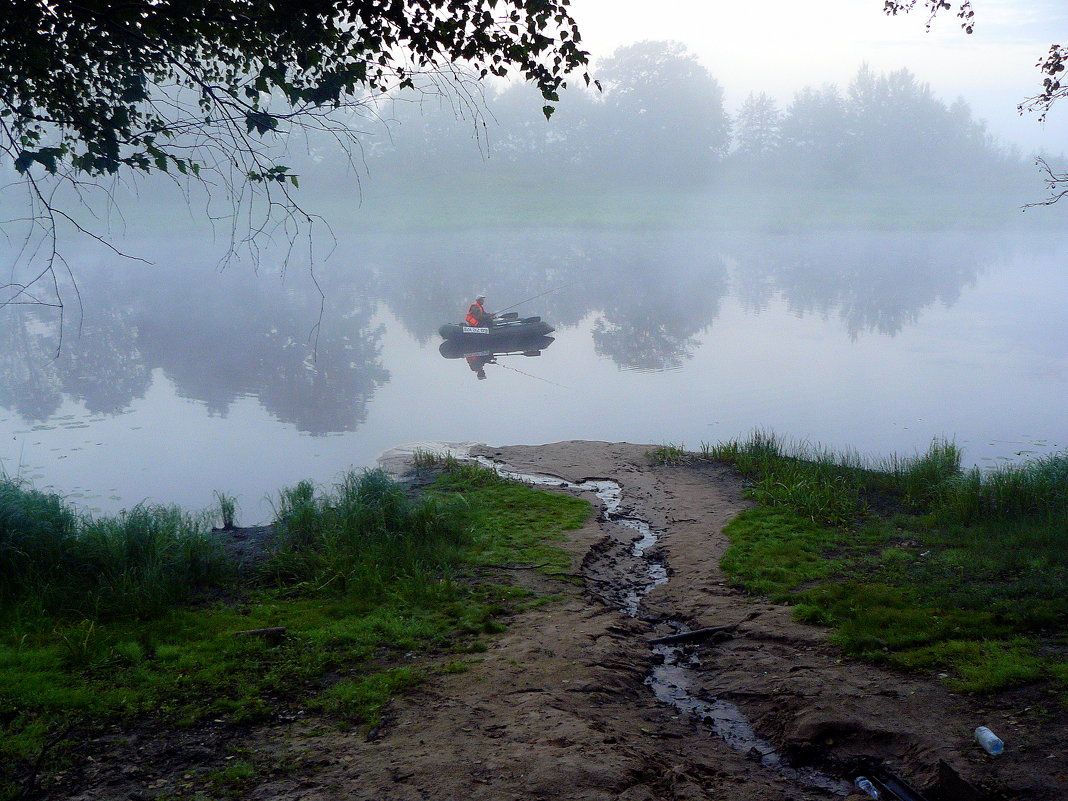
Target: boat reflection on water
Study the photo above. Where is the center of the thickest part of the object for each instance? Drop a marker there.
(478, 356)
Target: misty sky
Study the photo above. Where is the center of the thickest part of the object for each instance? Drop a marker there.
(779, 46)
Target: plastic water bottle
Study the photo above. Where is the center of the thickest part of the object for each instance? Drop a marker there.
(990, 742)
(863, 783)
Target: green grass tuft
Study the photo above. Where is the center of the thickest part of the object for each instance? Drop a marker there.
(361, 700)
(366, 536)
(670, 454)
(428, 460)
(227, 509)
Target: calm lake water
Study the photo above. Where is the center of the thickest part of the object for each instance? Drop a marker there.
(177, 380)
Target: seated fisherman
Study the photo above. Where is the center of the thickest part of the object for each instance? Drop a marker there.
(477, 315)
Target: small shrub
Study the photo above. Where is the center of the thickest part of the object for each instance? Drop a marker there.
(227, 505)
(426, 460)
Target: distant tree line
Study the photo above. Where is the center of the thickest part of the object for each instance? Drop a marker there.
(661, 118)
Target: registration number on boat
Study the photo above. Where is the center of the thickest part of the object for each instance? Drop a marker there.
(470, 330)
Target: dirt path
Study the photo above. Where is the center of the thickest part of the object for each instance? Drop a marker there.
(559, 706)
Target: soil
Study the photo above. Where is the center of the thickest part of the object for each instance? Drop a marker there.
(559, 706)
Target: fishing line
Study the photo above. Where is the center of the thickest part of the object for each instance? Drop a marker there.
(528, 375)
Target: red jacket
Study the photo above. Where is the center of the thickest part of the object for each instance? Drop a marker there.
(476, 315)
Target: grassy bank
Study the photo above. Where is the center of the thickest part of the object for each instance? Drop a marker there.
(914, 562)
(137, 617)
(485, 201)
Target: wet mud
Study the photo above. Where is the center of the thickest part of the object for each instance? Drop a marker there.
(622, 575)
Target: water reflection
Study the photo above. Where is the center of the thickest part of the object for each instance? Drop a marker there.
(317, 363)
(479, 357)
(668, 299)
(652, 295)
(872, 281)
(30, 384)
(217, 340)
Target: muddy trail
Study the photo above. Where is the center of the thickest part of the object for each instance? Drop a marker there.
(574, 701)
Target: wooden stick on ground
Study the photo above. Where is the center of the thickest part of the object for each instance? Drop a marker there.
(692, 636)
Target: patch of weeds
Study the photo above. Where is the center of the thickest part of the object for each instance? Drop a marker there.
(466, 476)
(58, 563)
(457, 666)
(365, 535)
(361, 700)
(971, 581)
(231, 781)
(670, 454)
(426, 460)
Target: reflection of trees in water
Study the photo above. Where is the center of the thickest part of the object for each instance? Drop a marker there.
(28, 376)
(217, 338)
(654, 304)
(254, 336)
(647, 344)
(99, 364)
(873, 282)
(102, 365)
(651, 293)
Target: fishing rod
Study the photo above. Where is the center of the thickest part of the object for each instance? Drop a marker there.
(543, 294)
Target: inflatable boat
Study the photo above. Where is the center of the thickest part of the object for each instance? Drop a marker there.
(502, 329)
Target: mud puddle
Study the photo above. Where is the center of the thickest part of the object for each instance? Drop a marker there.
(673, 678)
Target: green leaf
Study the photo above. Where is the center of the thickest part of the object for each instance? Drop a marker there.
(261, 122)
(135, 89)
(547, 111)
(24, 160)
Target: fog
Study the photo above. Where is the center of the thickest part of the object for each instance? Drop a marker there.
(788, 45)
(800, 222)
(661, 121)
